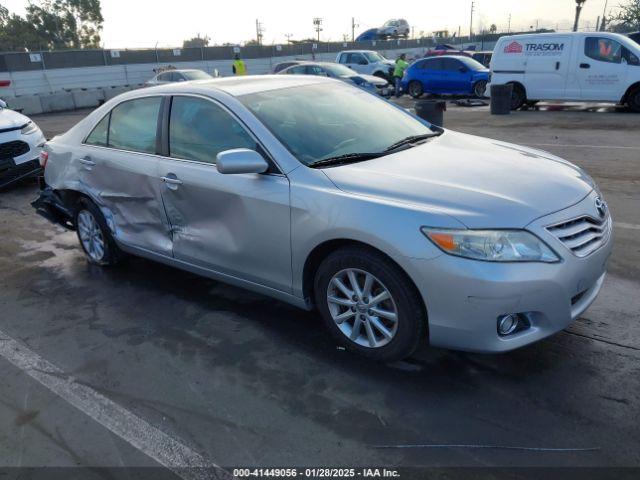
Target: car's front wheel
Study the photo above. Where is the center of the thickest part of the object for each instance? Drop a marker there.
(415, 89)
(633, 100)
(94, 235)
(369, 304)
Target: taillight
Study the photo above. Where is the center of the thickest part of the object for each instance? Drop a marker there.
(44, 156)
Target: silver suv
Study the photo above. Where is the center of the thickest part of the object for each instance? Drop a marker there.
(322, 195)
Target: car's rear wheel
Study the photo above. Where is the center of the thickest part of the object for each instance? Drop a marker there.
(94, 235)
(518, 97)
(480, 88)
(369, 304)
(633, 100)
(415, 89)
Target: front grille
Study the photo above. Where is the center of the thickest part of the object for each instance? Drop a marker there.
(583, 235)
(13, 149)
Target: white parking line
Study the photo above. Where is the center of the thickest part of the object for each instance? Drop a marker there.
(148, 439)
(628, 226)
(583, 146)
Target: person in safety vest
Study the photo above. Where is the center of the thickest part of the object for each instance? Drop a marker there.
(239, 67)
(398, 72)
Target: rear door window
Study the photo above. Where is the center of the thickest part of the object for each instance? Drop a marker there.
(199, 130)
(134, 124)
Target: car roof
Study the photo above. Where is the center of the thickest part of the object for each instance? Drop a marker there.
(357, 51)
(243, 85)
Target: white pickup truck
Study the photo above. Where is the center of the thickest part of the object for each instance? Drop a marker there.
(368, 62)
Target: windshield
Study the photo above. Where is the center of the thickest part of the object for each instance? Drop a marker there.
(374, 57)
(196, 75)
(317, 122)
(471, 63)
(339, 70)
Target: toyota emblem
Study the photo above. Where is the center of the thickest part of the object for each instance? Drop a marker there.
(601, 207)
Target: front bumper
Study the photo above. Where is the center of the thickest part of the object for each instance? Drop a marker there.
(464, 298)
(10, 173)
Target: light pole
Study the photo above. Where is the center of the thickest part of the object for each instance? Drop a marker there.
(579, 4)
(471, 22)
(317, 23)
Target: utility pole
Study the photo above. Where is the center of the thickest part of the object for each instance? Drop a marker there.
(353, 29)
(509, 27)
(603, 25)
(259, 32)
(473, 4)
(288, 35)
(579, 4)
(317, 23)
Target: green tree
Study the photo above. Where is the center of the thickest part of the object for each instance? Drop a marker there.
(493, 28)
(52, 24)
(628, 17)
(199, 42)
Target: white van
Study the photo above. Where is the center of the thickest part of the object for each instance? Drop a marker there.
(580, 66)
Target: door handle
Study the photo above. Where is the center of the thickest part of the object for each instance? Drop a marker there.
(557, 65)
(171, 180)
(87, 163)
(585, 65)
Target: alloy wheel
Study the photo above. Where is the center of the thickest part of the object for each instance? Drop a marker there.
(91, 235)
(362, 307)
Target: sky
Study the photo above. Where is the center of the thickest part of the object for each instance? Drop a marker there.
(145, 23)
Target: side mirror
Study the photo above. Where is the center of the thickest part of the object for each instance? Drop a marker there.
(363, 62)
(3, 104)
(462, 69)
(241, 160)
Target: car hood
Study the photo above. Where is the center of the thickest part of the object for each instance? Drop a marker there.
(483, 183)
(10, 119)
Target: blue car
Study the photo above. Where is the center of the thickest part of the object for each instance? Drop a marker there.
(446, 74)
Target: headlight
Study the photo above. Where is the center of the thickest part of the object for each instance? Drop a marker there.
(492, 245)
(29, 128)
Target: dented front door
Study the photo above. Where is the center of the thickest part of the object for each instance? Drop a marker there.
(238, 225)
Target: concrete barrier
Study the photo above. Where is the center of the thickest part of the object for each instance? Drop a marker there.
(110, 93)
(57, 102)
(87, 98)
(27, 104)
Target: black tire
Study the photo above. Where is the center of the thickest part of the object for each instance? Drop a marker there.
(480, 88)
(415, 89)
(411, 315)
(633, 100)
(111, 254)
(518, 97)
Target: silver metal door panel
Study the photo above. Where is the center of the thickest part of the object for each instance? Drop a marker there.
(235, 224)
(126, 186)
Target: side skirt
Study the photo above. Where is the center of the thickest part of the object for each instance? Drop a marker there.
(222, 277)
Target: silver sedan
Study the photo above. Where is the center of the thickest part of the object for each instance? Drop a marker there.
(319, 194)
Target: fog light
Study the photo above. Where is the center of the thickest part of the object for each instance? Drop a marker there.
(507, 324)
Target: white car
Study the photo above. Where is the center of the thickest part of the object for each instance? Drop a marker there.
(582, 66)
(172, 76)
(21, 141)
(395, 28)
(368, 62)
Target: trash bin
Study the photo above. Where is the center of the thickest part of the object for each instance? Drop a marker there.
(432, 111)
(501, 99)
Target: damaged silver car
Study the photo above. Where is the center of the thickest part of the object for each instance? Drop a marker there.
(322, 195)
